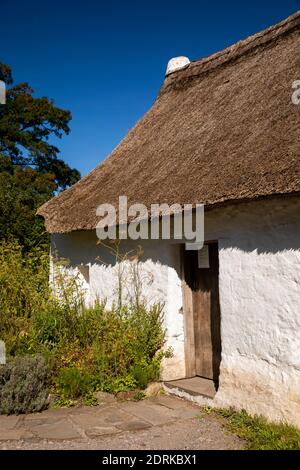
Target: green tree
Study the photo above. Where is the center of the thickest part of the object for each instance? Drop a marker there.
(22, 191)
(30, 170)
(5, 74)
(26, 123)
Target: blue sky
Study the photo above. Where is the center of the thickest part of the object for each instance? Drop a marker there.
(105, 60)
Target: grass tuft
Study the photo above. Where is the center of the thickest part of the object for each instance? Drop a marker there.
(258, 432)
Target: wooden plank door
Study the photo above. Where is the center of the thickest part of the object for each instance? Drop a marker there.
(204, 283)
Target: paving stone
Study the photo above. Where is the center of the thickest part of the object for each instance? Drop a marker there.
(54, 430)
(135, 425)
(151, 424)
(181, 409)
(172, 402)
(186, 413)
(14, 434)
(87, 410)
(9, 422)
(114, 415)
(86, 420)
(52, 413)
(150, 412)
(98, 431)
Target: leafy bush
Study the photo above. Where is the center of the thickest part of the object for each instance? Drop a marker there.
(24, 385)
(90, 349)
(23, 293)
(140, 375)
(73, 383)
(121, 384)
(121, 349)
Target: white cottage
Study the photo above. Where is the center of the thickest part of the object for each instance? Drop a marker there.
(224, 131)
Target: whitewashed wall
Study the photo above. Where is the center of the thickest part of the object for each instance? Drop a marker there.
(259, 250)
(259, 247)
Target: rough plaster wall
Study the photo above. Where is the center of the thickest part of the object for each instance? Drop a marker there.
(160, 276)
(259, 254)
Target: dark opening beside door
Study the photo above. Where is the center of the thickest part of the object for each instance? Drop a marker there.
(204, 284)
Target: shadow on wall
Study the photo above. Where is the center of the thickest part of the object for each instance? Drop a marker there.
(265, 227)
(269, 226)
(83, 247)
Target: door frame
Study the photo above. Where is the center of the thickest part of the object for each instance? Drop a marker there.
(188, 320)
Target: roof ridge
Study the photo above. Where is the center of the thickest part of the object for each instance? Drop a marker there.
(232, 52)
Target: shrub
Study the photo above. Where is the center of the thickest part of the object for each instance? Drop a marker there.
(74, 383)
(24, 385)
(140, 375)
(121, 384)
(23, 293)
(126, 347)
(49, 327)
(90, 348)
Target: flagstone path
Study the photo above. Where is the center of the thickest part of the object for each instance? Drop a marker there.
(162, 422)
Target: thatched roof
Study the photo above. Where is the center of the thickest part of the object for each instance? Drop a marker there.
(224, 129)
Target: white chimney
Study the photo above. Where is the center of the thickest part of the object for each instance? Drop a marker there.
(177, 63)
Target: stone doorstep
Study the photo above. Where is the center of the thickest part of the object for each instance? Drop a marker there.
(194, 387)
